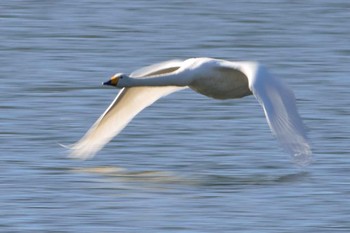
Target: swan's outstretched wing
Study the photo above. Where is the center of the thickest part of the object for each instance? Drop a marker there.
(279, 105)
(128, 103)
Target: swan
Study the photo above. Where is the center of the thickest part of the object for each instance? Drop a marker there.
(215, 78)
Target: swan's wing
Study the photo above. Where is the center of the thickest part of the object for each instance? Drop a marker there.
(278, 102)
(159, 68)
(128, 103)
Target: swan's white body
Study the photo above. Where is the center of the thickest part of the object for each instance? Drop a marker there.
(215, 78)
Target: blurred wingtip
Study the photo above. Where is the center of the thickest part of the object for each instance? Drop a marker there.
(304, 157)
(76, 152)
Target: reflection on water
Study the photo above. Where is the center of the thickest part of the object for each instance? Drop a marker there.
(187, 163)
(118, 174)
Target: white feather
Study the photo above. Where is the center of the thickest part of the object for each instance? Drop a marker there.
(278, 102)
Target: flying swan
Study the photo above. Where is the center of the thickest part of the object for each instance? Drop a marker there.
(215, 78)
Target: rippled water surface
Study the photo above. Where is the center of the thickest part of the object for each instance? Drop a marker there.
(187, 163)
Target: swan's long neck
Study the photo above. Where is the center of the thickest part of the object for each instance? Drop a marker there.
(169, 79)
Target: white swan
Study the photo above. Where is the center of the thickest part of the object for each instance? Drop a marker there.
(215, 78)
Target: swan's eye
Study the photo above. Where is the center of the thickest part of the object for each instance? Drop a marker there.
(121, 76)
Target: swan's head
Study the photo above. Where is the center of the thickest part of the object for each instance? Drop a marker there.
(116, 80)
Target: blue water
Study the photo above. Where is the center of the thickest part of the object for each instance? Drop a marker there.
(187, 163)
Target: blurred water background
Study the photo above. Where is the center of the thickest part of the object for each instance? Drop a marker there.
(187, 163)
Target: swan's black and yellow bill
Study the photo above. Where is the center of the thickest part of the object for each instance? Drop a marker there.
(112, 82)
